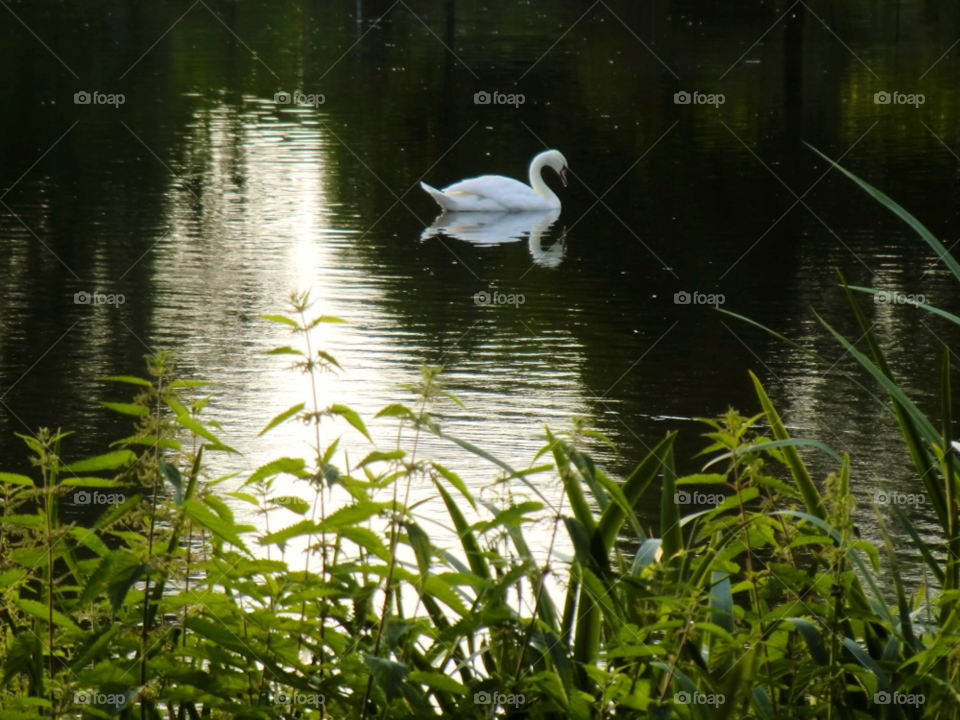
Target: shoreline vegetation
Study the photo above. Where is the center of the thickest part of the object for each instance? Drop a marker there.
(766, 605)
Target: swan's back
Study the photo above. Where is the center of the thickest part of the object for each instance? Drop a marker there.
(493, 192)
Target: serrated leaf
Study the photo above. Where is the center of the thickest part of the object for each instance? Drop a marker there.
(351, 417)
(285, 350)
(395, 410)
(291, 466)
(291, 503)
(378, 456)
(108, 461)
(189, 383)
(282, 417)
(15, 479)
(40, 611)
(351, 515)
(282, 537)
(127, 408)
(281, 319)
(118, 589)
(203, 516)
(22, 652)
(129, 379)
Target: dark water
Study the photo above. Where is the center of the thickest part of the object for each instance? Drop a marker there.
(204, 202)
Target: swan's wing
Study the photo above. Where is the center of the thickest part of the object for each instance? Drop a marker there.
(503, 190)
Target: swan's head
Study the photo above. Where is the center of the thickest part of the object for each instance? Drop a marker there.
(553, 159)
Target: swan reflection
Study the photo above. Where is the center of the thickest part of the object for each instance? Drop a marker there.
(493, 228)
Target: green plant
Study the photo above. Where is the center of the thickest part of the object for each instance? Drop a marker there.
(765, 604)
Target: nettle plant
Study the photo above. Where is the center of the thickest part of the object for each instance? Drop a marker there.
(766, 604)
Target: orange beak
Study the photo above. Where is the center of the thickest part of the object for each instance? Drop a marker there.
(563, 176)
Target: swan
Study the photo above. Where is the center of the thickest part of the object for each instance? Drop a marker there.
(495, 193)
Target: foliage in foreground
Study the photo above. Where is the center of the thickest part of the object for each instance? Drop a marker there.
(767, 605)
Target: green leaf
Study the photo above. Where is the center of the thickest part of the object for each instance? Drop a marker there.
(868, 662)
(291, 466)
(103, 640)
(437, 681)
(351, 515)
(388, 675)
(286, 350)
(99, 578)
(203, 516)
(455, 480)
(721, 602)
(23, 652)
(291, 503)
(88, 482)
(27, 521)
(185, 419)
(118, 589)
(808, 490)
(633, 488)
(127, 379)
(475, 557)
(281, 319)
(282, 417)
(366, 538)
(378, 456)
(814, 639)
(282, 537)
(172, 474)
(420, 542)
(700, 479)
(40, 611)
(670, 531)
(396, 410)
(109, 461)
(512, 516)
(15, 479)
(351, 417)
(128, 408)
(329, 358)
(189, 383)
(937, 246)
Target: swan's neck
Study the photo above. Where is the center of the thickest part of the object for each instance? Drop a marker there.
(537, 183)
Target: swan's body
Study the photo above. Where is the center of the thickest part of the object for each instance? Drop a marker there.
(490, 229)
(495, 193)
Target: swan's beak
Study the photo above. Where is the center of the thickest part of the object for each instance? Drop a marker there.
(563, 176)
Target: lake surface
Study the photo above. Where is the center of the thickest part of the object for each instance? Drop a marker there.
(205, 201)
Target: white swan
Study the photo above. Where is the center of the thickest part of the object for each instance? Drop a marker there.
(495, 193)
